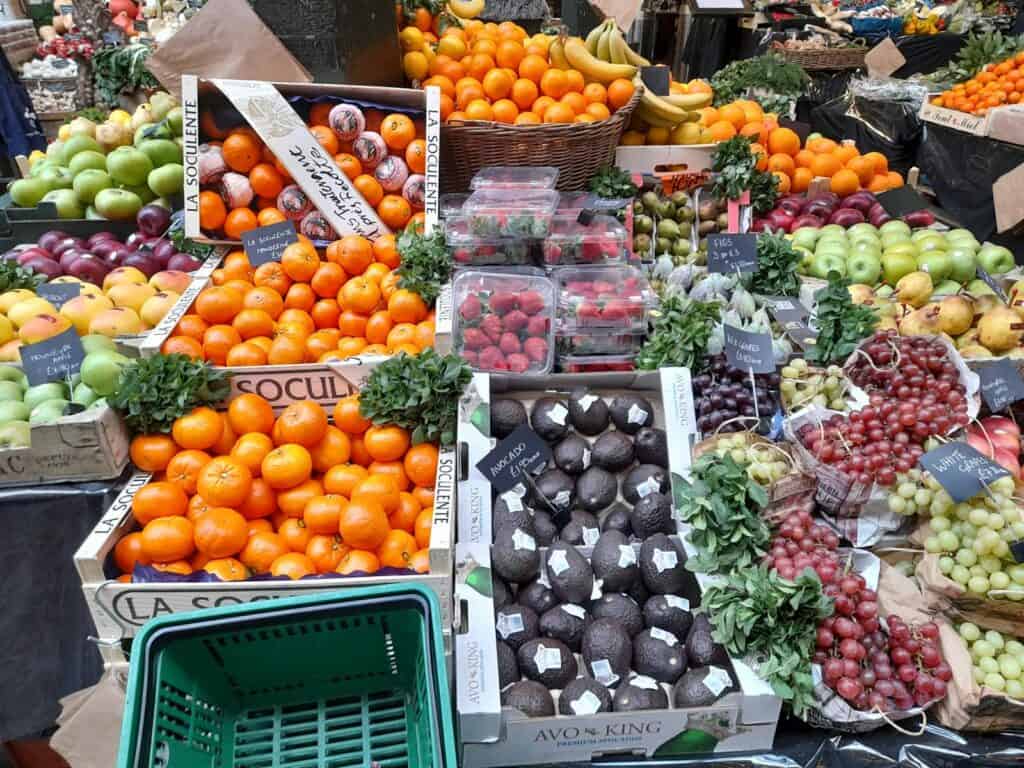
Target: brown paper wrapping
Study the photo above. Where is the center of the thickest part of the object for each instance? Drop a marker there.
(943, 594)
(225, 39)
(623, 11)
(90, 729)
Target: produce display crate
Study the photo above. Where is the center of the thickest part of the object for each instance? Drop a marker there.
(91, 445)
(952, 118)
(665, 158)
(357, 679)
(831, 59)
(120, 609)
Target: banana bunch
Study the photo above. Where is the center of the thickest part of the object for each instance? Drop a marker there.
(603, 57)
(669, 111)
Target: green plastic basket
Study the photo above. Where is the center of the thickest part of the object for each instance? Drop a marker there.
(352, 678)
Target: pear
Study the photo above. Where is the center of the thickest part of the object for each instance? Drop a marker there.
(921, 322)
(956, 314)
(861, 293)
(82, 126)
(143, 116)
(915, 288)
(966, 339)
(974, 351)
(1000, 329)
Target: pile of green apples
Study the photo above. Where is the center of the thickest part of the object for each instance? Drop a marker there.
(873, 255)
(23, 406)
(109, 171)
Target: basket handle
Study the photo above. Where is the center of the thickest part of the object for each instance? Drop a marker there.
(920, 731)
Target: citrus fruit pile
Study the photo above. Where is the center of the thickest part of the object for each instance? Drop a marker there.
(305, 308)
(994, 86)
(496, 72)
(241, 492)
(245, 186)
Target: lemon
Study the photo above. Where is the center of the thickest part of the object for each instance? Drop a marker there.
(411, 38)
(451, 45)
(657, 135)
(415, 65)
(686, 133)
(64, 132)
(120, 116)
(633, 139)
(36, 155)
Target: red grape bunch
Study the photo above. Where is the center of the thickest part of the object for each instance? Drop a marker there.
(802, 543)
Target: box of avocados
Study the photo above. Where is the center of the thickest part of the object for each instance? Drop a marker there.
(584, 643)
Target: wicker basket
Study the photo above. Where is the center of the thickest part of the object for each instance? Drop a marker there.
(825, 58)
(578, 150)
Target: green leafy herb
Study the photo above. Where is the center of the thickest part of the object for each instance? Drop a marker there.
(777, 82)
(764, 191)
(426, 263)
(772, 621)
(842, 325)
(419, 393)
(13, 275)
(200, 251)
(121, 68)
(723, 507)
(96, 114)
(736, 168)
(977, 51)
(154, 391)
(612, 183)
(777, 261)
(680, 334)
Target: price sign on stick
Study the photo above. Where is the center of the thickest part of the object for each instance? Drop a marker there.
(961, 469)
(1001, 384)
(54, 359)
(267, 243)
(732, 253)
(749, 350)
(514, 458)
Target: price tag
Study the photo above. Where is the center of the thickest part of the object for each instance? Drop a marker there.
(140, 25)
(265, 244)
(59, 294)
(961, 469)
(656, 79)
(901, 201)
(792, 316)
(54, 359)
(518, 454)
(1001, 384)
(992, 283)
(67, 10)
(732, 253)
(749, 350)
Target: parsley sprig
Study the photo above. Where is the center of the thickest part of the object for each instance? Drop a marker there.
(777, 261)
(426, 264)
(680, 334)
(842, 325)
(13, 275)
(736, 168)
(612, 183)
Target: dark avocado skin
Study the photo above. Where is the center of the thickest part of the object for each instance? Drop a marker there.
(508, 667)
(540, 419)
(605, 562)
(529, 697)
(630, 698)
(577, 688)
(538, 597)
(502, 516)
(619, 411)
(545, 528)
(530, 628)
(500, 593)
(550, 678)
(559, 624)
(622, 609)
(657, 659)
(593, 420)
(574, 584)
(617, 520)
(701, 648)
(516, 565)
(651, 515)
(651, 446)
(613, 451)
(596, 489)
(606, 640)
(669, 581)
(640, 474)
(658, 613)
(579, 522)
(572, 455)
(549, 492)
(690, 691)
(506, 415)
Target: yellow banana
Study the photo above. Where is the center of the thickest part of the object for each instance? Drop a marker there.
(644, 113)
(604, 52)
(617, 47)
(592, 38)
(659, 106)
(689, 100)
(634, 58)
(593, 69)
(556, 54)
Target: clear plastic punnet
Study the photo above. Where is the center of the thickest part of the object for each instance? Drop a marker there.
(511, 212)
(603, 341)
(596, 363)
(585, 239)
(515, 177)
(484, 250)
(450, 204)
(610, 298)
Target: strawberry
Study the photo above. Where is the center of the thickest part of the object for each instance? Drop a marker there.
(518, 363)
(536, 349)
(552, 253)
(491, 325)
(615, 311)
(490, 358)
(462, 256)
(587, 312)
(515, 320)
(503, 302)
(509, 343)
(470, 308)
(469, 356)
(474, 338)
(538, 326)
(531, 302)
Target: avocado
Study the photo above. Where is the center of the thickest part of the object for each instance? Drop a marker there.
(596, 489)
(670, 613)
(701, 687)
(701, 648)
(548, 661)
(529, 697)
(643, 480)
(617, 519)
(549, 418)
(582, 529)
(572, 455)
(514, 555)
(631, 412)
(569, 573)
(662, 565)
(639, 692)
(588, 412)
(544, 527)
(508, 511)
(538, 596)
(651, 446)
(659, 654)
(613, 451)
(607, 651)
(584, 696)
(506, 415)
(652, 514)
(500, 593)
(614, 561)
(620, 608)
(555, 491)
(639, 591)
(566, 623)
(508, 667)
(516, 624)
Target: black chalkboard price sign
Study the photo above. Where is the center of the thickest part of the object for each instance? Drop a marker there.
(513, 458)
(749, 350)
(54, 359)
(732, 253)
(58, 294)
(265, 244)
(1001, 384)
(961, 469)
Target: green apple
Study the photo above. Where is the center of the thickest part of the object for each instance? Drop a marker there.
(963, 268)
(906, 247)
(834, 228)
(13, 410)
(167, 180)
(936, 264)
(832, 246)
(90, 183)
(862, 228)
(100, 371)
(142, 190)
(174, 119)
(79, 143)
(10, 390)
(40, 166)
(57, 178)
(962, 238)
(806, 260)
(160, 151)
(978, 287)
(995, 259)
(97, 404)
(52, 390)
(84, 395)
(26, 193)
(827, 262)
(896, 225)
(67, 202)
(48, 411)
(896, 265)
(946, 288)
(927, 244)
(85, 160)
(93, 215)
(55, 152)
(806, 237)
(128, 165)
(95, 342)
(16, 434)
(117, 204)
(864, 267)
(11, 373)
(893, 238)
(161, 103)
(866, 246)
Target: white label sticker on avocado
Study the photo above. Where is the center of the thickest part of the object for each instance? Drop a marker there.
(678, 602)
(575, 610)
(522, 540)
(586, 458)
(627, 556)
(642, 681)
(518, 490)
(595, 593)
(664, 559)
(601, 669)
(557, 562)
(586, 703)
(636, 415)
(512, 501)
(558, 413)
(647, 487)
(562, 499)
(586, 401)
(666, 637)
(543, 578)
(547, 658)
(508, 624)
(717, 680)
(590, 536)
